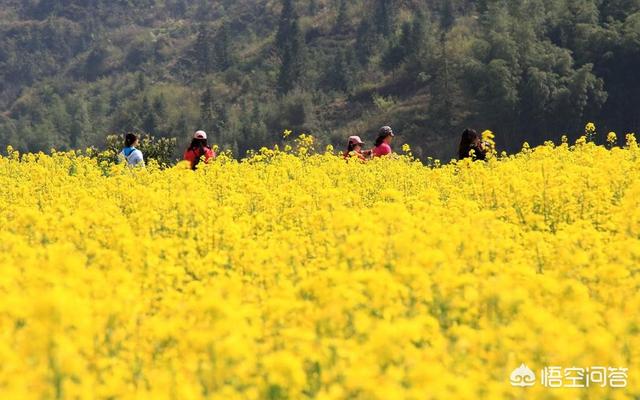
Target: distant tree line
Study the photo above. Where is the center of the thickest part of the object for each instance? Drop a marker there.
(74, 71)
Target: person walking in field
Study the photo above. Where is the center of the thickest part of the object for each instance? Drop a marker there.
(354, 149)
(130, 153)
(383, 142)
(471, 146)
(199, 149)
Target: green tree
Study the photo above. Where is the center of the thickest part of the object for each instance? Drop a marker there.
(291, 68)
(313, 7)
(80, 128)
(181, 126)
(148, 117)
(365, 42)
(203, 50)
(95, 65)
(178, 8)
(287, 18)
(207, 112)
(222, 48)
(338, 73)
(384, 17)
(213, 114)
(160, 106)
(342, 20)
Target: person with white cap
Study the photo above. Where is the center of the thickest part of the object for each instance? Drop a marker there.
(383, 142)
(198, 150)
(354, 149)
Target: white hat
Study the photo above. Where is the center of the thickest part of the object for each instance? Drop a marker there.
(200, 135)
(355, 140)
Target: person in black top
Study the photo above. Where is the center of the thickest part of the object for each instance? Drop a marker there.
(471, 140)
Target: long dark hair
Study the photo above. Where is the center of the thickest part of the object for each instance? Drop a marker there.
(199, 144)
(199, 147)
(130, 139)
(381, 137)
(352, 146)
(383, 133)
(469, 136)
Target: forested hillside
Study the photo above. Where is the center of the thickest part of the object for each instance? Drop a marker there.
(73, 71)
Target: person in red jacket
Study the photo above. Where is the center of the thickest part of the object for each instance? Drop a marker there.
(198, 150)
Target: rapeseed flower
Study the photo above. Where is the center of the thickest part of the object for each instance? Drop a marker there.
(293, 275)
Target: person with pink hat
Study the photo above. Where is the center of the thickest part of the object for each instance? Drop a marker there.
(354, 149)
(198, 150)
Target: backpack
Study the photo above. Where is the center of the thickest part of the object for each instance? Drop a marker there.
(127, 152)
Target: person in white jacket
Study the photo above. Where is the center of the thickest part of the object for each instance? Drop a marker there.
(130, 154)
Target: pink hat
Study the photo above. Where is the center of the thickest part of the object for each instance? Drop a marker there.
(355, 140)
(200, 135)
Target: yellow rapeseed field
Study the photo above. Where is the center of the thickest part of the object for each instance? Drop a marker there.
(294, 275)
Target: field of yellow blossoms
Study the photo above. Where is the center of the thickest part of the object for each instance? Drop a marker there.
(294, 275)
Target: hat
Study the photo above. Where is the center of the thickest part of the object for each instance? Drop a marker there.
(355, 140)
(200, 135)
(386, 130)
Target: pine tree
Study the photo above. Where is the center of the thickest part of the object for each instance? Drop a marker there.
(213, 114)
(338, 74)
(148, 118)
(447, 16)
(58, 116)
(203, 52)
(287, 17)
(221, 120)
(446, 22)
(95, 65)
(181, 126)
(286, 74)
(160, 112)
(160, 106)
(419, 45)
(207, 114)
(313, 7)
(365, 42)
(204, 10)
(141, 82)
(178, 8)
(222, 46)
(79, 124)
(342, 20)
(396, 54)
(384, 17)
(418, 31)
(482, 6)
(292, 61)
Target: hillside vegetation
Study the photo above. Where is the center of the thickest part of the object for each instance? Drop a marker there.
(73, 71)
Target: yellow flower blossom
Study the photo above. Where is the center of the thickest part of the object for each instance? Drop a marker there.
(296, 275)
